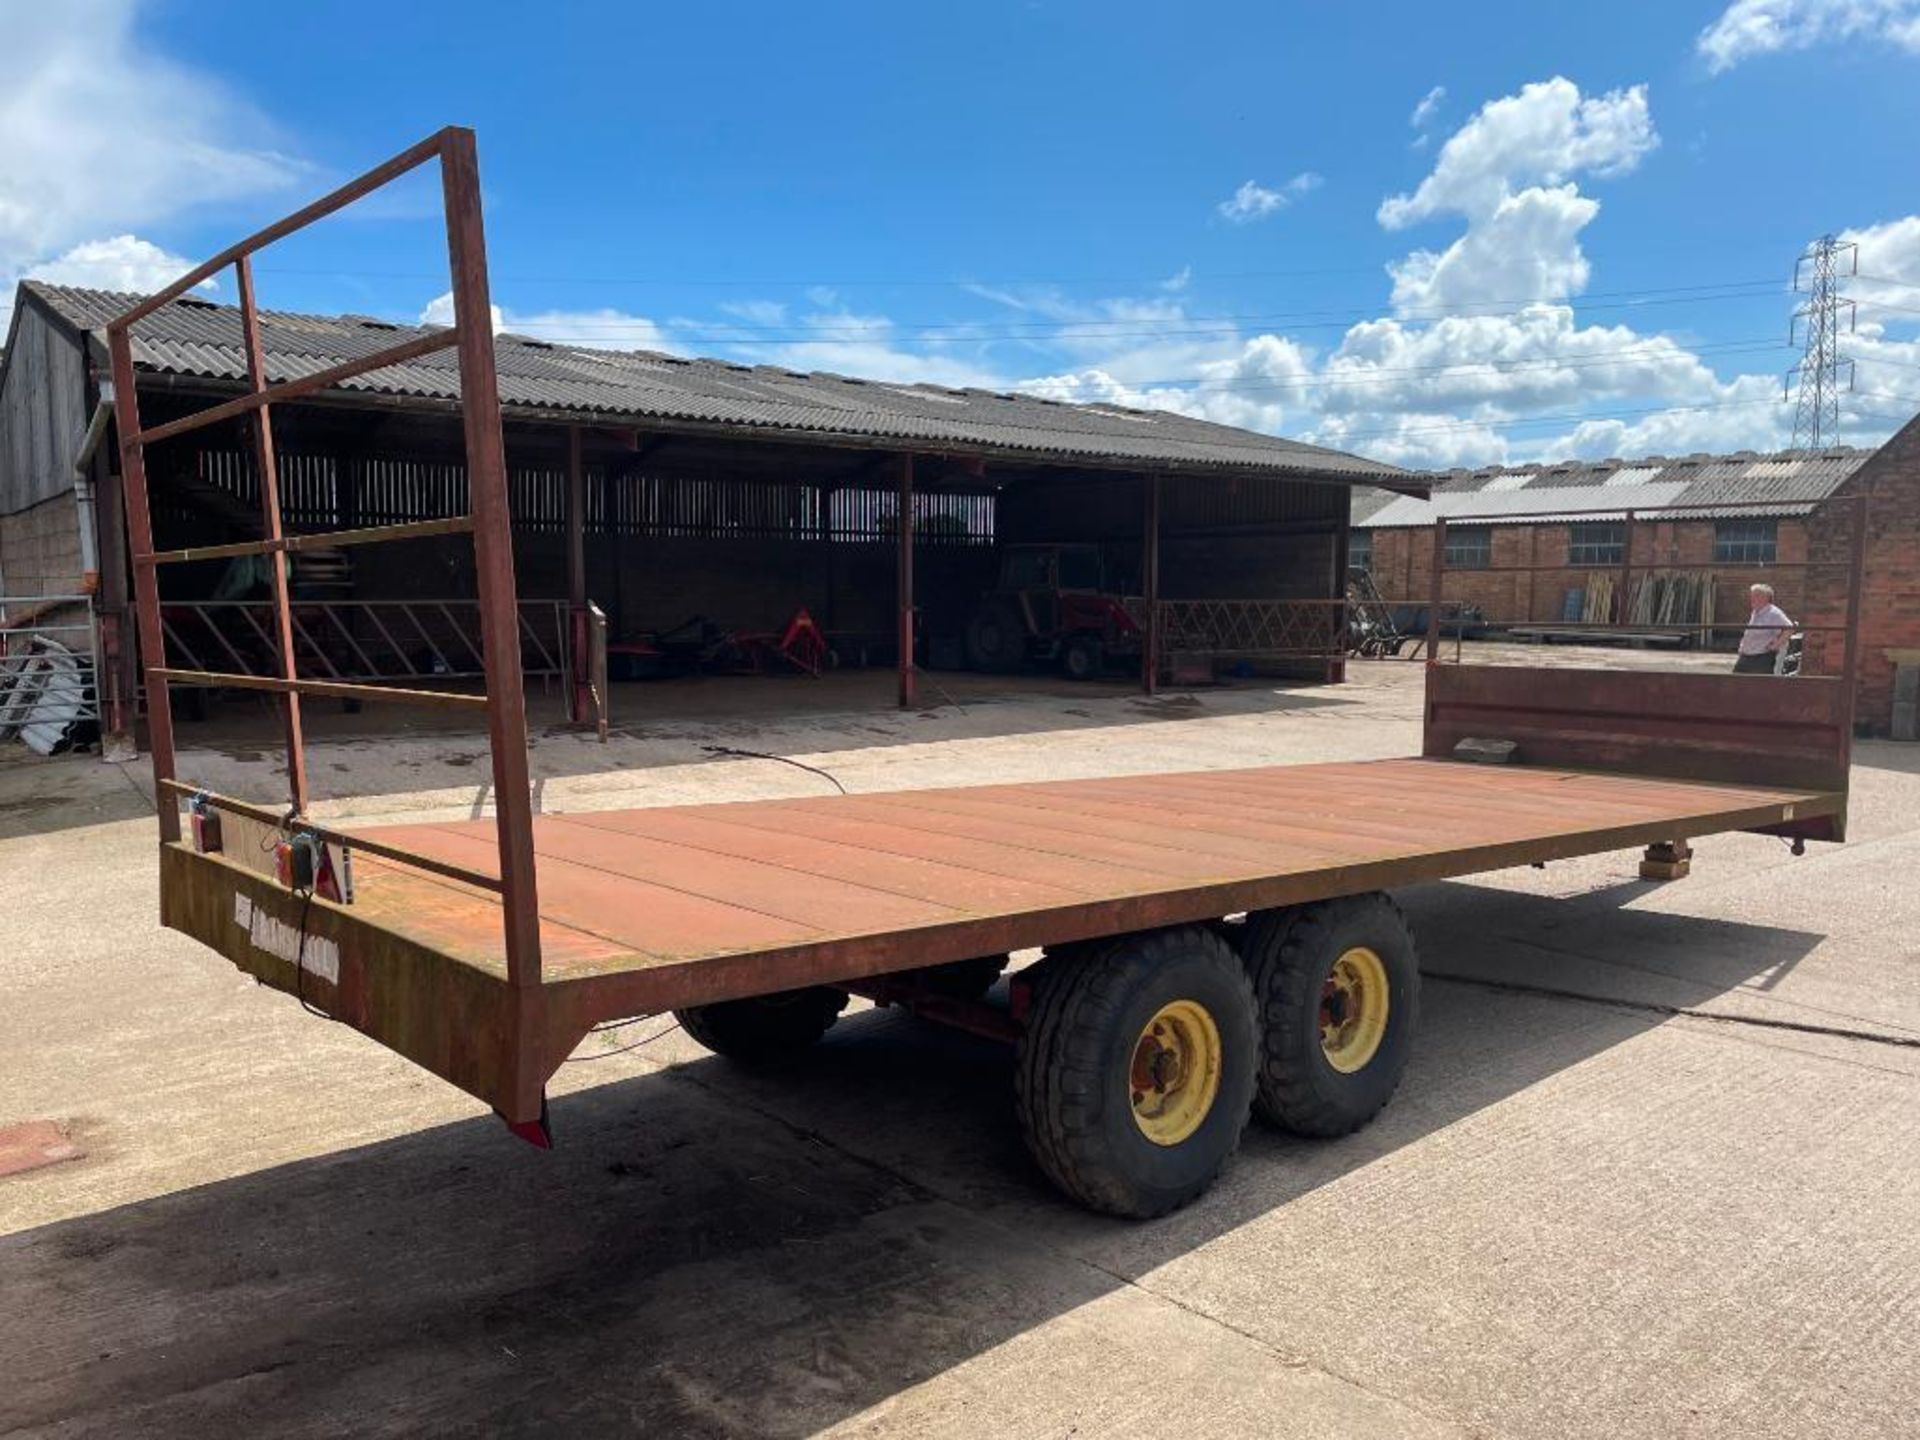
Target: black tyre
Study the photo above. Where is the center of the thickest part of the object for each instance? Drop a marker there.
(996, 638)
(1135, 1075)
(1338, 986)
(767, 1028)
(1082, 658)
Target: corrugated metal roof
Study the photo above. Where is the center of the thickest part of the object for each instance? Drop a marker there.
(194, 337)
(1696, 487)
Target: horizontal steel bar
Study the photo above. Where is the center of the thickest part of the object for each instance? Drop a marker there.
(293, 389)
(1634, 627)
(410, 159)
(45, 599)
(1652, 515)
(324, 540)
(217, 680)
(1331, 600)
(1722, 570)
(404, 856)
(425, 602)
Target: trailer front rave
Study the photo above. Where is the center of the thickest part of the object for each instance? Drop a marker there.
(1150, 1029)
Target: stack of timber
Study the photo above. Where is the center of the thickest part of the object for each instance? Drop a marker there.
(1677, 599)
(1597, 606)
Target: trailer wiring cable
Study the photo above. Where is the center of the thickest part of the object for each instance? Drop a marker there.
(1654, 1007)
(306, 912)
(300, 959)
(728, 752)
(608, 1026)
(624, 1049)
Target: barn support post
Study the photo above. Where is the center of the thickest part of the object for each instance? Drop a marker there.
(1150, 583)
(579, 698)
(905, 527)
(119, 679)
(1533, 570)
(1433, 601)
(1342, 616)
(1626, 572)
(823, 516)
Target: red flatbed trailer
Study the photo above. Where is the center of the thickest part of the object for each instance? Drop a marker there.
(1144, 1038)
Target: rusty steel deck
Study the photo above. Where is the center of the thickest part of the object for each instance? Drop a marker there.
(840, 886)
(651, 909)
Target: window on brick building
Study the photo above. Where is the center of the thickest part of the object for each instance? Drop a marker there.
(1360, 549)
(1602, 542)
(1469, 547)
(1746, 542)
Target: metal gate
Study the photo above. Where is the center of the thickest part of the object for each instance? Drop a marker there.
(48, 650)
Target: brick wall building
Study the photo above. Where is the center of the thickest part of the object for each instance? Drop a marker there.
(40, 550)
(1889, 698)
(1526, 544)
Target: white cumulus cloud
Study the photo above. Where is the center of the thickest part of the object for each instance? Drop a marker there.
(121, 262)
(1428, 107)
(1484, 334)
(102, 136)
(1509, 172)
(1763, 27)
(600, 328)
(1254, 201)
(1547, 133)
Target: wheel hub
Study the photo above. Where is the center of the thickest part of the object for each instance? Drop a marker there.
(1175, 1073)
(1354, 1004)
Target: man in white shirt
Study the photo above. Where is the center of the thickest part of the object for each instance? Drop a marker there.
(1765, 635)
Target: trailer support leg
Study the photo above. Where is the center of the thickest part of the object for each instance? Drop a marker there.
(1667, 860)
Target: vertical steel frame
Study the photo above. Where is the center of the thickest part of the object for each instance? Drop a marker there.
(909, 696)
(1150, 584)
(579, 696)
(490, 524)
(268, 469)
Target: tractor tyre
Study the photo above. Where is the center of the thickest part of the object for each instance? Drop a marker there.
(765, 1029)
(996, 638)
(1135, 1074)
(1082, 658)
(1338, 985)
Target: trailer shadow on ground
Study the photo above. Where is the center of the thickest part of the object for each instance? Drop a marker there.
(712, 1251)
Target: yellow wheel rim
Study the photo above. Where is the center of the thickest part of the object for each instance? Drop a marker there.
(1353, 1010)
(1175, 1073)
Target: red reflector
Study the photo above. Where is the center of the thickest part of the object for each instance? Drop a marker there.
(206, 829)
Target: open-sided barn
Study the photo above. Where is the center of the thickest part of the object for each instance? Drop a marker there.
(695, 502)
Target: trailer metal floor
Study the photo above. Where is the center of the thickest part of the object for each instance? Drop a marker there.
(788, 892)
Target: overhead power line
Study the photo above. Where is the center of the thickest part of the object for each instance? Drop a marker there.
(1058, 329)
(1445, 427)
(1204, 385)
(973, 283)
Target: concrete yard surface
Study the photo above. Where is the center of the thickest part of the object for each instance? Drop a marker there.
(1655, 1169)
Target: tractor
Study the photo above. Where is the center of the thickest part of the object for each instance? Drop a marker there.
(1053, 605)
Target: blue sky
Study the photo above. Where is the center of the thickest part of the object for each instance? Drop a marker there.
(1438, 234)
